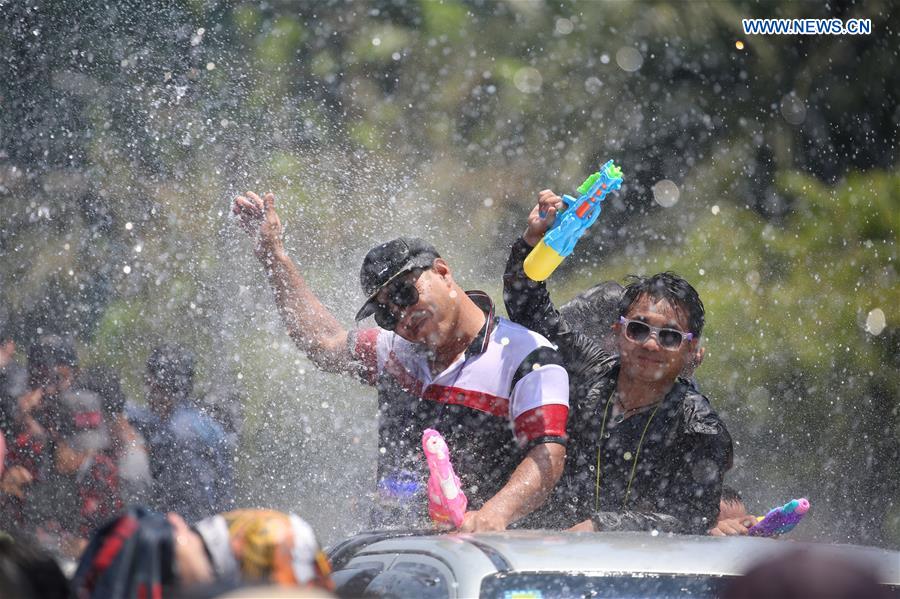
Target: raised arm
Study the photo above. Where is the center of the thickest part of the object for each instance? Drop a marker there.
(310, 324)
(528, 302)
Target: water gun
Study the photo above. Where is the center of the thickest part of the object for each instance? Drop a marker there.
(446, 500)
(781, 520)
(570, 225)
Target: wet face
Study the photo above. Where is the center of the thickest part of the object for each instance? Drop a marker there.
(647, 360)
(431, 319)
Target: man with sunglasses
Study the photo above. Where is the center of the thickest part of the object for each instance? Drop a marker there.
(646, 450)
(441, 359)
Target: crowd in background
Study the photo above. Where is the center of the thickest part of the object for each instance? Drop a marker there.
(77, 451)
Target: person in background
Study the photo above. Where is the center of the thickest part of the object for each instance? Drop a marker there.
(147, 554)
(127, 445)
(52, 368)
(594, 311)
(191, 458)
(80, 488)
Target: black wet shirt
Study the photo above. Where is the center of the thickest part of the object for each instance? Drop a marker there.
(672, 480)
(667, 460)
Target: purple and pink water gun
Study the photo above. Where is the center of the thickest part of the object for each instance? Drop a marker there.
(446, 501)
(781, 520)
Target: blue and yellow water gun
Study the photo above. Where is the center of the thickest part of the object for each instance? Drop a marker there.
(570, 225)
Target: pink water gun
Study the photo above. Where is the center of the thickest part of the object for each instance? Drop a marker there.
(446, 500)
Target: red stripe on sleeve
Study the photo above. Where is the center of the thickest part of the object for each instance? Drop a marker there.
(544, 421)
(365, 351)
(477, 400)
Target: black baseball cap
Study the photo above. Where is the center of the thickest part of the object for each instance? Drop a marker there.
(386, 262)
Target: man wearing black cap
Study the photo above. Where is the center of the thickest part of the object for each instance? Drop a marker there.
(440, 359)
(191, 459)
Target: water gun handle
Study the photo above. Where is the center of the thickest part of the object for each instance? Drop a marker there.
(446, 500)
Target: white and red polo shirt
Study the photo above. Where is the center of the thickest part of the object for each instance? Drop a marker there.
(507, 392)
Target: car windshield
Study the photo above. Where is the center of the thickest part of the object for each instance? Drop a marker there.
(543, 585)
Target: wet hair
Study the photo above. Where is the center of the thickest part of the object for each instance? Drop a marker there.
(171, 367)
(26, 572)
(593, 311)
(105, 382)
(665, 286)
(730, 495)
(50, 351)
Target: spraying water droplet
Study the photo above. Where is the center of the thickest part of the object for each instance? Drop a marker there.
(665, 193)
(793, 109)
(528, 80)
(629, 59)
(875, 321)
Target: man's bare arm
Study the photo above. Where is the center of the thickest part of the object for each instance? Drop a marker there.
(527, 489)
(310, 324)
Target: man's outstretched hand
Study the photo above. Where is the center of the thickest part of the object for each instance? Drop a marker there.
(257, 216)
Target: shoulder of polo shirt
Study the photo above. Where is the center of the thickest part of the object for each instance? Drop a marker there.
(542, 356)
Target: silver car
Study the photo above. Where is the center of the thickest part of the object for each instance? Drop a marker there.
(541, 564)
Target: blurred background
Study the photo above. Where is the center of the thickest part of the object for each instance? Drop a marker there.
(764, 169)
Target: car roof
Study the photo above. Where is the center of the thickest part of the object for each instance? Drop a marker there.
(610, 553)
